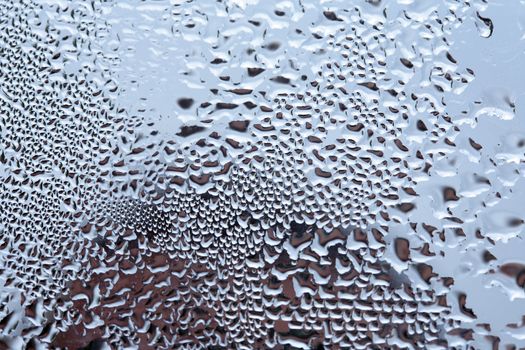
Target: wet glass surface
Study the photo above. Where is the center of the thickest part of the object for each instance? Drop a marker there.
(249, 174)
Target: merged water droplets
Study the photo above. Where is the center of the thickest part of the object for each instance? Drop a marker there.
(251, 175)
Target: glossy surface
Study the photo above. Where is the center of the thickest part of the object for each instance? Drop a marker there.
(247, 174)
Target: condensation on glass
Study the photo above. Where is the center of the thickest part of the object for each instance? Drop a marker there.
(249, 174)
